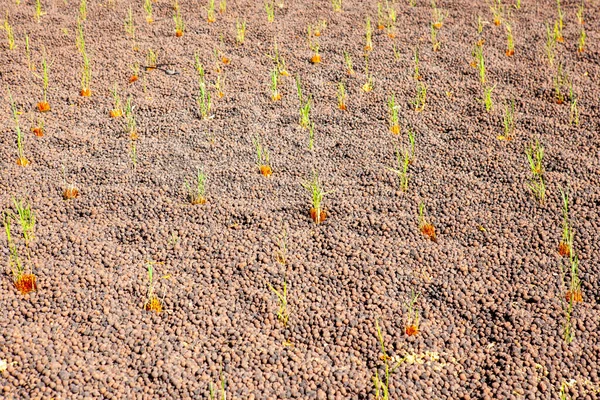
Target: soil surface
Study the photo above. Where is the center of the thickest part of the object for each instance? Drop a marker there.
(491, 309)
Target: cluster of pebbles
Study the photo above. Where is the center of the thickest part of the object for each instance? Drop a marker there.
(490, 289)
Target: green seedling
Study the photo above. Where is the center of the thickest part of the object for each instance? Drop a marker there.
(425, 226)
(86, 76)
(566, 244)
(402, 162)
(26, 220)
(368, 35)
(368, 86)
(80, 38)
(380, 16)
(411, 142)
(574, 114)
(391, 25)
(393, 113)
(23, 277)
(480, 23)
(17, 267)
(497, 11)
(508, 121)
(348, 62)
(220, 84)
(86, 72)
(38, 11)
(152, 302)
(240, 27)
(44, 105)
(204, 98)
(314, 46)
(279, 61)
(317, 193)
(305, 105)
(130, 27)
(561, 81)
(21, 160)
(270, 9)
(559, 25)
(213, 394)
(579, 14)
(281, 255)
(420, 99)
(435, 43)
(283, 313)
(210, 12)
(83, 10)
(151, 59)
(131, 124)
(222, 6)
(10, 37)
(196, 192)
(311, 136)
(572, 295)
(148, 10)
(510, 43)
(179, 24)
(30, 64)
(535, 158)
(487, 97)
(537, 186)
(396, 52)
(480, 60)
(117, 110)
(412, 319)
(381, 383)
(70, 191)
(581, 41)
(135, 72)
(416, 73)
(342, 95)
(262, 157)
(438, 15)
(305, 113)
(337, 5)
(550, 46)
(275, 95)
(518, 4)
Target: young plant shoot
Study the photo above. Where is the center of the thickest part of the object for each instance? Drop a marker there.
(314, 187)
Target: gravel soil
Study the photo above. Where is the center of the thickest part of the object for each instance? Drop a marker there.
(490, 287)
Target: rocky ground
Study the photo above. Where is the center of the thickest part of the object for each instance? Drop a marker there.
(490, 291)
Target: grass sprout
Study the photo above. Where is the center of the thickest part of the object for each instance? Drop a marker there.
(21, 160)
(421, 97)
(393, 113)
(203, 99)
(487, 97)
(283, 313)
(10, 37)
(197, 190)
(535, 158)
(270, 9)
(508, 121)
(314, 187)
(240, 27)
(148, 10)
(348, 62)
(402, 160)
(342, 95)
